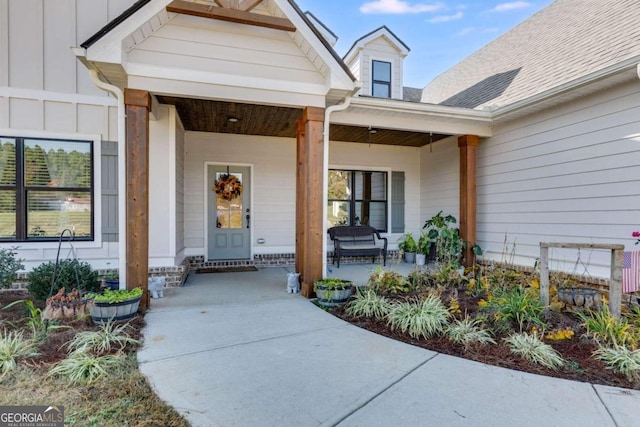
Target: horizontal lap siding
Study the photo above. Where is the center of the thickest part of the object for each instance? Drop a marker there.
(569, 174)
(385, 158)
(274, 182)
(218, 47)
(440, 183)
(179, 187)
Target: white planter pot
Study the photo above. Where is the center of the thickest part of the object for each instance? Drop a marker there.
(421, 259)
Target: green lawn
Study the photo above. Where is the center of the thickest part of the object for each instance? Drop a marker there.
(48, 224)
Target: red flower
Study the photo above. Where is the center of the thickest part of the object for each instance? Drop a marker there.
(636, 234)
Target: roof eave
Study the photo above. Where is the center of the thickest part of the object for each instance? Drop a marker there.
(517, 109)
(419, 107)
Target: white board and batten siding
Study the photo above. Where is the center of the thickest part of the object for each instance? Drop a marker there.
(568, 174)
(190, 54)
(45, 92)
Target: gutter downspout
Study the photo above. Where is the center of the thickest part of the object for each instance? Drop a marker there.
(325, 176)
(122, 185)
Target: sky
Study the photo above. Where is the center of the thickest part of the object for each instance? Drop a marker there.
(439, 33)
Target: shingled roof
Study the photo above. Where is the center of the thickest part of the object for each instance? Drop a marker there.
(566, 40)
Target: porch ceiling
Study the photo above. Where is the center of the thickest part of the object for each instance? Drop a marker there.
(200, 115)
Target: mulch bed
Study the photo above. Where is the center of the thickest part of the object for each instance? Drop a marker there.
(52, 349)
(577, 351)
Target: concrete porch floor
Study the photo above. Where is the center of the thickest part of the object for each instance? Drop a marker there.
(234, 349)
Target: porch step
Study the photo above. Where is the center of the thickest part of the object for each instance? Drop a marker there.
(226, 266)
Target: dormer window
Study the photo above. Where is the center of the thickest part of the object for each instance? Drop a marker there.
(381, 79)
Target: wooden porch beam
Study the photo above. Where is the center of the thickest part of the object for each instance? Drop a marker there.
(310, 210)
(468, 145)
(230, 15)
(137, 106)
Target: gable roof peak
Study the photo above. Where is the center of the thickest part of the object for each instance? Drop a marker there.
(382, 31)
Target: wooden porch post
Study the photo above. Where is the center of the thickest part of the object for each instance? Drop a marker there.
(468, 145)
(310, 198)
(137, 105)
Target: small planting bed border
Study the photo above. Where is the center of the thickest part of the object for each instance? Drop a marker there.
(615, 282)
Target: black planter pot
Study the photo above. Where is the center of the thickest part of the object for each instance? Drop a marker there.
(112, 284)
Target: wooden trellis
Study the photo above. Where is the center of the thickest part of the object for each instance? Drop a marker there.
(615, 281)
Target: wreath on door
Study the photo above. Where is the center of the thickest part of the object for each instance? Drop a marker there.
(228, 187)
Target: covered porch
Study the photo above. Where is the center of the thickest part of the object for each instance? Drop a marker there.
(191, 114)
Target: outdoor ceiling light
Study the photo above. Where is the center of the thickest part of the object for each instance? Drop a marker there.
(232, 119)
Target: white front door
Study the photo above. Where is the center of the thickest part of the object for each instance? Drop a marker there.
(228, 214)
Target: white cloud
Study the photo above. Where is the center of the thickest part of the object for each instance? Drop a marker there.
(398, 7)
(445, 18)
(505, 7)
(474, 30)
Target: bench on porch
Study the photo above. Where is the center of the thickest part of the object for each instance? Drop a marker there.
(357, 240)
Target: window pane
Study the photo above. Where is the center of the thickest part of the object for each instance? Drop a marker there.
(50, 212)
(378, 186)
(371, 213)
(57, 163)
(337, 214)
(339, 185)
(7, 161)
(382, 71)
(371, 185)
(381, 90)
(7, 214)
(229, 211)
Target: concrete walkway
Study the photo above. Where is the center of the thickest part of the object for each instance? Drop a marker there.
(234, 349)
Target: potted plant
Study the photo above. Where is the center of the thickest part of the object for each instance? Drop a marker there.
(111, 281)
(121, 304)
(423, 249)
(407, 244)
(449, 246)
(332, 292)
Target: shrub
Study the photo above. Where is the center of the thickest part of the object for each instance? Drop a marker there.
(608, 329)
(424, 318)
(535, 351)
(101, 341)
(516, 305)
(388, 282)
(71, 274)
(85, 368)
(9, 266)
(14, 346)
(469, 331)
(368, 304)
(621, 359)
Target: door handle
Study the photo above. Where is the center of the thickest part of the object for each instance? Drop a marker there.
(248, 220)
